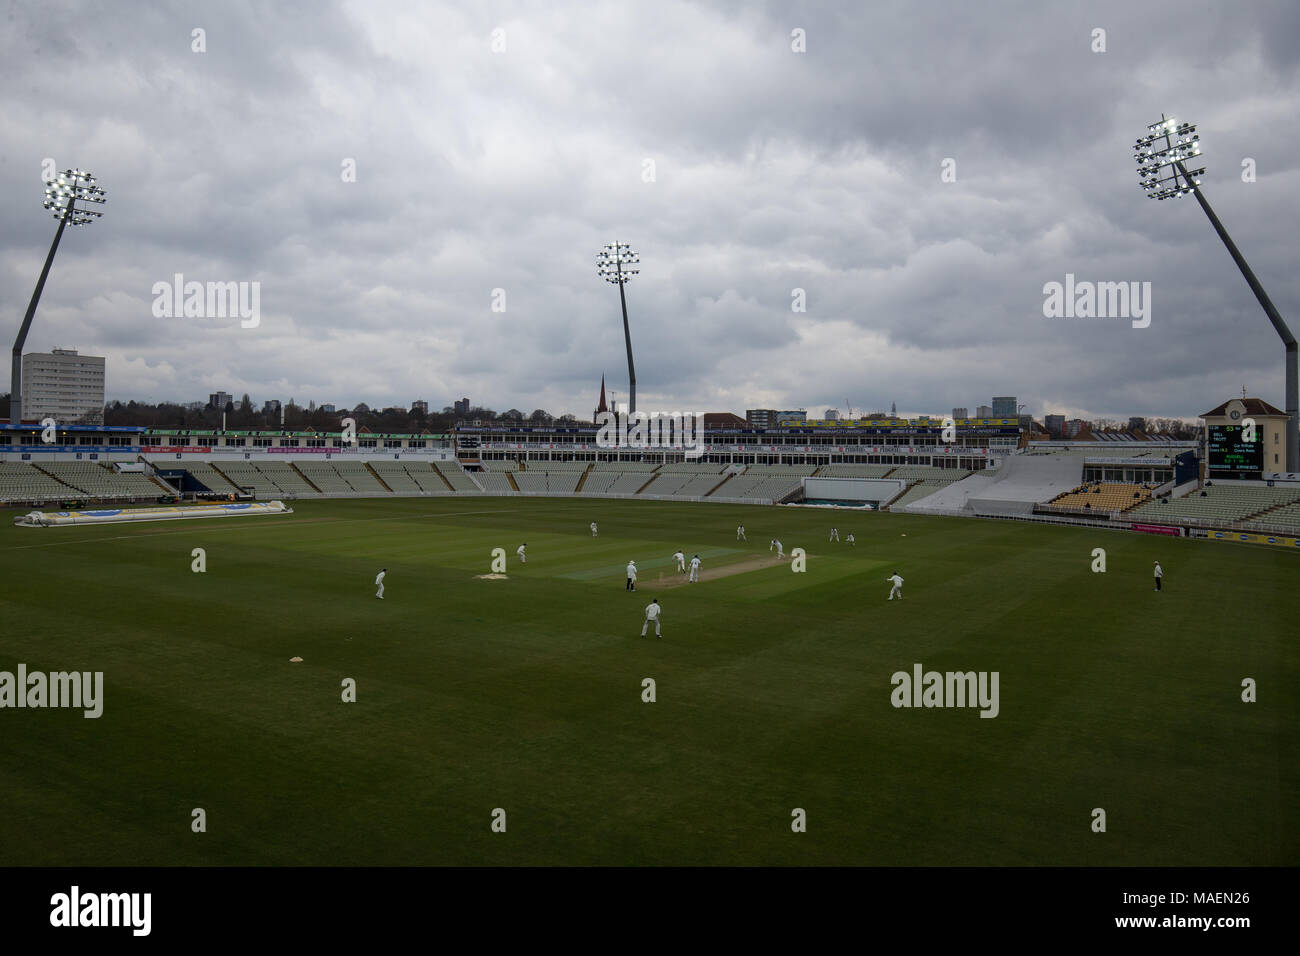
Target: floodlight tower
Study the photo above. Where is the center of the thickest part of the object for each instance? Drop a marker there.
(610, 263)
(61, 198)
(1163, 174)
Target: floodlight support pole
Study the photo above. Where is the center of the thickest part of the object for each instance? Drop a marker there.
(627, 337)
(16, 370)
(1288, 340)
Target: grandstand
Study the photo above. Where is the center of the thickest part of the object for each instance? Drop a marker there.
(102, 481)
(498, 482)
(456, 476)
(765, 482)
(432, 481)
(208, 477)
(1101, 496)
(1220, 503)
(20, 481)
(396, 477)
(855, 471)
(615, 482)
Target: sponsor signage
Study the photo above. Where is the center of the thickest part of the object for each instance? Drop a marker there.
(72, 449)
(1158, 529)
(1274, 539)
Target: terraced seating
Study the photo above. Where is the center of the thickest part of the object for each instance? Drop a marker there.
(99, 481)
(19, 481)
(930, 472)
(761, 486)
(359, 478)
(922, 489)
(324, 477)
(267, 479)
(245, 475)
(281, 473)
(855, 471)
(689, 468)
(208, 476)
(1104, 496)
(456, 476)
(395, 476)
(430, 478)
(1222, 502)
(531, 480)
(498, 482)
(577, 466)
(1286, 517)
(628, 466)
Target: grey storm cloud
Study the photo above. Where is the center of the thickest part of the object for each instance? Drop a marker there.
(498, 146)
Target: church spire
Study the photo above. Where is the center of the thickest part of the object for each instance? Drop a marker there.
(602, 407)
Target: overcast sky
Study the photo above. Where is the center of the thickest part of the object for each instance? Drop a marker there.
(482, 168)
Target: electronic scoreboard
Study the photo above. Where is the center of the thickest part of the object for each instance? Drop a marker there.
(1232, 457)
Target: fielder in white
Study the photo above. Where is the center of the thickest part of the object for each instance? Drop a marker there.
(695, 570)
(740, 533)
(850, 540)
(520, 551)
(835, 534)
(379, 582)
(652, 612)
(593, 530)
(631, 576)
(898, 586)
(681, 561)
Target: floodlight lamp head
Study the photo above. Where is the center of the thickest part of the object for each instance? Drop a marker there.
(66, 197)
(612, 260)
(1160, 158)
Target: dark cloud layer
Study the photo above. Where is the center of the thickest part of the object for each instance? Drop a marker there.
(773, 171)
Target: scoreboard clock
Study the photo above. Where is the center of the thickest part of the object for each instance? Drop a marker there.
(1232, 457)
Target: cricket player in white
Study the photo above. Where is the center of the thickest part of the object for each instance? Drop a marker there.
(593, 529)
(780, 548)
(771, 545)
(379, 582)
(850, 540)
(520, 552)
(631, 576)
(681, 562)
(740, 534)
(652, 612)
(1160, 573)
(695, 570)
(898, 586)
(835, 534)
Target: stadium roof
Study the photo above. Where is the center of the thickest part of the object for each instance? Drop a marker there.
(1254, 406)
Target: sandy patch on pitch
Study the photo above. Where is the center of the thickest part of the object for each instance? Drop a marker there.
(490, 577)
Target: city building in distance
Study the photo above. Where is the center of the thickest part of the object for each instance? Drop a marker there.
(64, 386)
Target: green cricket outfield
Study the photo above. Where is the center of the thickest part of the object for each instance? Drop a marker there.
(526, 694)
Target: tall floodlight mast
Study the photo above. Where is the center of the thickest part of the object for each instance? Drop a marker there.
(611, 265)
(1161, 157)
(61, 197)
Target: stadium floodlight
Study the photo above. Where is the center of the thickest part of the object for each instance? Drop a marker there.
(62, 195)
(1162, 156)
(611, 265)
